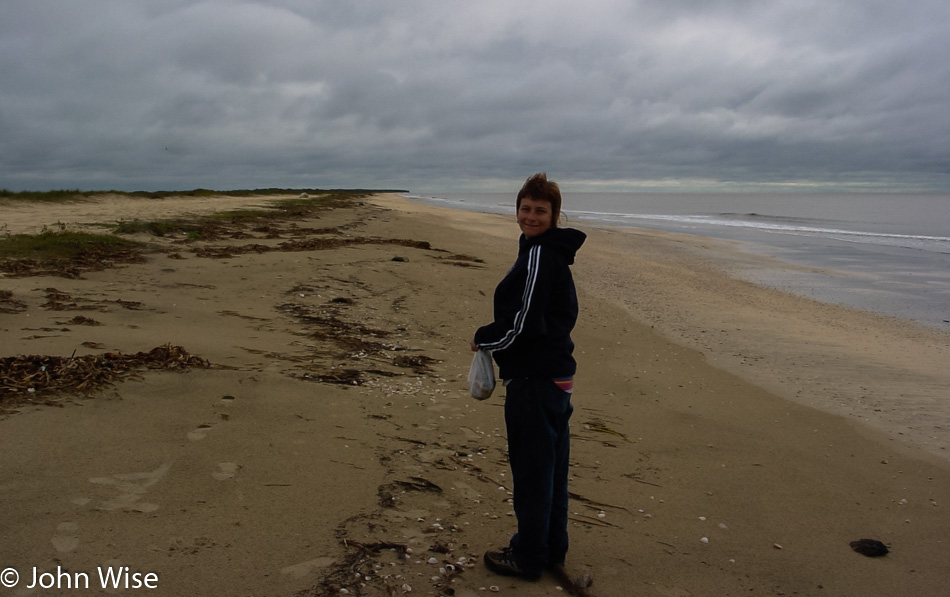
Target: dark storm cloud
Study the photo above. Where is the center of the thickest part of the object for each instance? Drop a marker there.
(428, 95)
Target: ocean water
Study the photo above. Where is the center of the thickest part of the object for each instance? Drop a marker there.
(885, 253)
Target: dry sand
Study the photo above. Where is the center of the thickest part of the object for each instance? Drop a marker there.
(728, 439)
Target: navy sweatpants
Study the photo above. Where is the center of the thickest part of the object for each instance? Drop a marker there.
(537, 415)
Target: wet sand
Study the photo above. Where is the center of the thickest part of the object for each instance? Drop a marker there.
(728, 439)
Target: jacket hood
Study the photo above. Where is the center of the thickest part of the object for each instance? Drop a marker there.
(565, 241)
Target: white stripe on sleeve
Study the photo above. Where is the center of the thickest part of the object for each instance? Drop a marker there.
(534, 261)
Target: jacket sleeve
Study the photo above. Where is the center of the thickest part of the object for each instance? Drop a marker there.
(525, 318)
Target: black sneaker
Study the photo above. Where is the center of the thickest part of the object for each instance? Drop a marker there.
(506, 563)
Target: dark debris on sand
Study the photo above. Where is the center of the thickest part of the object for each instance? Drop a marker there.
(9, 304)
(94, 258)
(34, 378)
(310, 244)
(871, 548)
(349, 342)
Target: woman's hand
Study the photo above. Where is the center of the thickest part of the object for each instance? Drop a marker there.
(472, 344)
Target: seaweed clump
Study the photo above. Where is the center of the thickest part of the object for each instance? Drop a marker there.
(24, 378)
(64, 253)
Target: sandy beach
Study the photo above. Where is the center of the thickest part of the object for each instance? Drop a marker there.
(728, 439)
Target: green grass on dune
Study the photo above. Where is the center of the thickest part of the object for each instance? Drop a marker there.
(210, 226)
(69, 253)
(53, 247)
(57, 196)
(61, 245)
(78, 195)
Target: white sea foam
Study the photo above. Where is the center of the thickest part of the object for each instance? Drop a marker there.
(767, 224)
(880, 252)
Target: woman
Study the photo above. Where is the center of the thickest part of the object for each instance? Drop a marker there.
(535, 308)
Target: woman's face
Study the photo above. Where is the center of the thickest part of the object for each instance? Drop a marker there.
(534, 217)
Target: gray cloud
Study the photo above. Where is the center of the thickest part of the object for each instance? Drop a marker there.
(169, 94)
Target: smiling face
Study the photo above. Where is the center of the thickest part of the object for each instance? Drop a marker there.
(534, 217)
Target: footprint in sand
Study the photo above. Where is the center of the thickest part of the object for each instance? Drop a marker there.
(199, 434)
(304, 568)
(471, 434)
(201, 431)
(65, 540)
(467, 491)
(131, 487)
(226, 470)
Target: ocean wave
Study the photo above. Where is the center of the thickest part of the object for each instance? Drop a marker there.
(781, 225)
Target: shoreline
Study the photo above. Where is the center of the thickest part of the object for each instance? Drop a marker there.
(878, 277)
(335, 433)
(885, 372)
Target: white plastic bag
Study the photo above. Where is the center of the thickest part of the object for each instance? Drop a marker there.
(481, 377)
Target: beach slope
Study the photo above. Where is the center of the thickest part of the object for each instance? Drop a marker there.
(305, 427)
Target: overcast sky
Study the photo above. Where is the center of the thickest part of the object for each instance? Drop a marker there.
(431, 95)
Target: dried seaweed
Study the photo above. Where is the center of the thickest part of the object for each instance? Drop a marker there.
(418, 484)
(348, 336)
(310, 244)
(348, 377)
(8, 304)
(130, 305)
(462, 260)
(357, 561)
(418, 363)
(463, 257)
(602, 428)
(25, 377)
(57, 300)
(92, 259)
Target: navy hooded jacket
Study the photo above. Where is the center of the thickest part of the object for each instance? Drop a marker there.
(535, 309)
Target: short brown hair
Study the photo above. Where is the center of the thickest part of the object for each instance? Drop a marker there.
(539, 188)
